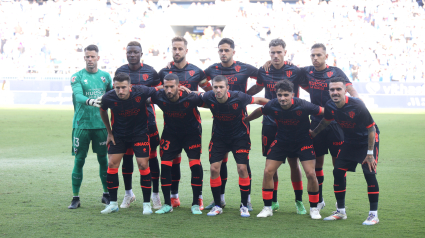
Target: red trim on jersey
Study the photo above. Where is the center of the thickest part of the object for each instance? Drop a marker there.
(320, 111)
(153, 109)
(292, 100)
(253, 77)
(261, 85)
(112, 118)
(197, 116)
(181, 93)
(243, 117)
(348, 84)
(327, 66)
(141, 64)
(103, 110)
(131, 90)
(228, 94)
(159, 84)
(346, 99)
(252, 101)
(369, 126)
(329, 119)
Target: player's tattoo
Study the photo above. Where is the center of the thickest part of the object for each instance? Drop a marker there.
(371, 137)
(322, 125)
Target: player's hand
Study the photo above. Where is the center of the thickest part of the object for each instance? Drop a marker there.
(267, 65)
(183, 88)
(371, 163)
(169, 65)
(289, 62)
(99, 100)
(312, 133)
(93, 102)
(109, 139)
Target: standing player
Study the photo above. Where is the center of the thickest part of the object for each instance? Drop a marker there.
(141, 74)
(190, 77)
(182, 130)
(230, 133)
(237, 74)
(361, 145)
(129, 131)
(87, 85)
(317, 78)
(267, 79)
(292, 140)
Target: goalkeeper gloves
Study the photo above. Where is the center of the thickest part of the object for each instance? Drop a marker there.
(94, 102)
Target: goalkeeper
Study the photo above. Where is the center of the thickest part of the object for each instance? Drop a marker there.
(88, 85)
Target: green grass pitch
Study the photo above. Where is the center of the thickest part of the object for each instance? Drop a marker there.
(35, 188)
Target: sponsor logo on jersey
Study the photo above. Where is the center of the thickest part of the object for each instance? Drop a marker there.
(311, 72)
(141, 144)
(289, 73)
(129, 112)
(73, 79)
(235, 106)
(85, 81)
(212, 106)
(186, 104)
(145, 77)
(163, 103)
(75, 150)
(242, 151)
(333, 113)
(289, 122)
(115, 103)
(103, 79)
(306, 147)
(351, 114)
(237, 68)
(194, 146)
(231, 79)
(346, 124)
(299, 112)
(102, 143)
(329, 74)
(337, 142)
(276, 113)
(192, 72)
(138, 99)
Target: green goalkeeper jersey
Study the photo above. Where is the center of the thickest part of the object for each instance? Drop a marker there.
(87, 85)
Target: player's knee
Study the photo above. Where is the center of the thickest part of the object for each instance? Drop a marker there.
(242, 170)
(339, 173)
(275, 176)
(311, 175)
(215, 170)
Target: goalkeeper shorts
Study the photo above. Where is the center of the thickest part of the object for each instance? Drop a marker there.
(81, 141)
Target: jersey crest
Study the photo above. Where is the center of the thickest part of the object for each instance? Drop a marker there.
(329, 74)
(235, 106)
(288, 73)
(73, 79)
(186, 104)
(138, 99)
(351, 114)
(192, 72)
(103, 79)
(238, 68)
(145, 76)
(299, 112)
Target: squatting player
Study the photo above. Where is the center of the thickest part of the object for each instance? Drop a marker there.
(276, 72)
(292, 140)
(230, 133)
(361, 145)
(190, 77)
(237, 74)
(87, 85)
(129, 131)
(182, 130)
(141, 74)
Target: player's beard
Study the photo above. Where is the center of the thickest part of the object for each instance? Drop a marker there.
(171, 96)
(91, 66)
(225, 61)
(179, 60)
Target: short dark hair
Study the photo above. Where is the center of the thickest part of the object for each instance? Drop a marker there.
(134, 43)
(170, 77)
(284, 85)
(277, 42)
(179, 38)
(227, 41)
(318, 45)
(338, 79)
(220, 78)
(91, 48)
(121, 77)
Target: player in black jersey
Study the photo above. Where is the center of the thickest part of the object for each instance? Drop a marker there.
(292, 140)
(141, 74)
(182, 130)
(129, 131)
(361, 145)
(237, 74)
(317, 78)
(278, 71)
(190, 77)
(230, 133)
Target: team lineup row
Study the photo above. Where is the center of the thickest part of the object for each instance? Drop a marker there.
(285, 132)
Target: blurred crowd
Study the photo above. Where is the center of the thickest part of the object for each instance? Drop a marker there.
(380, 40)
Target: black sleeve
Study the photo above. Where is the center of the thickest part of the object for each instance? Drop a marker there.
(197, 99)
(365, 116)
(161, 76)
(267, 109)
(302, 79)
(156, 81)
(312, 109)
(328, 112)
(344, 76)
(260, 79)
(245, 98)
(154, 97)
(105, 102)
(208, 74)
(252, 71)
